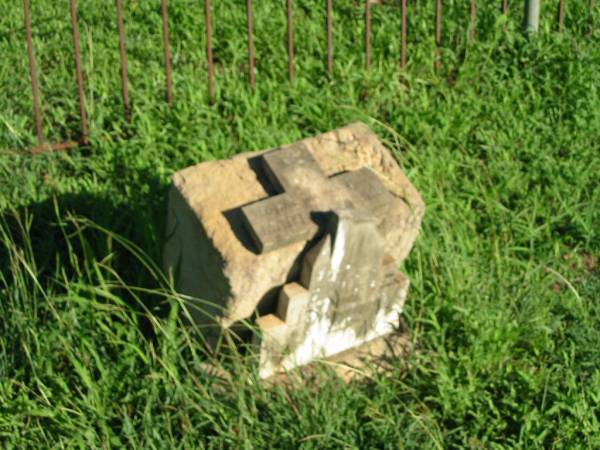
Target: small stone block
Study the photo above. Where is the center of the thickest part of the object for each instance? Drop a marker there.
(293, 303)
(278, 221)
(292, 167)
(272, 327)
(374, 196)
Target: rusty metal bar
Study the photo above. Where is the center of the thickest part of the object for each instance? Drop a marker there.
(167, 45)
(67, 145)
(123, 51)
(367, 34)
(403, 36)
(209, 50)
(33, 72)
(330, 36)
(290, 21)
(561, 15)
(473, 31)
(438, 35)
(591, 19)
(79, 71)
(250, 14)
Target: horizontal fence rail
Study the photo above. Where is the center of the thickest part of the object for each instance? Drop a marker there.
(43, 145)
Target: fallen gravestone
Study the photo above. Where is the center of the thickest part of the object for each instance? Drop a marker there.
(308, 236)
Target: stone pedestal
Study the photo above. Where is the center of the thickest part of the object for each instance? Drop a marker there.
(307, 238)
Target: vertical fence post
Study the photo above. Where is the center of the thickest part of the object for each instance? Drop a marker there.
(367, 34)
(79, 71)
(591, 19)
(473, 31)
(330, 36)
(250, 15)
(532, 16)
(123, 52)
(561, 14)
(290, 21)
(33, 72)
(438, 35)
(209, 50)
(167, 45)
(505, 12)
(403, 36)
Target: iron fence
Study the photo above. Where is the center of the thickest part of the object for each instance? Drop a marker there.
(43, 145)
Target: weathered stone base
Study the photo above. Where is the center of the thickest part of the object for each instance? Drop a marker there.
(284, 343)
(364, 361)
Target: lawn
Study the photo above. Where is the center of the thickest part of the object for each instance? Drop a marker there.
(504, 307)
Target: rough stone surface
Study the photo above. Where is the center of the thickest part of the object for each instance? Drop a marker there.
(214, 257)
(303, 190)
(354, 295)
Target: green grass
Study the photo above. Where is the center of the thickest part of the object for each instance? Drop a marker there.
(504, 306)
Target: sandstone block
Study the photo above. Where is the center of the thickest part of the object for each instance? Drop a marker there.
(241, 229)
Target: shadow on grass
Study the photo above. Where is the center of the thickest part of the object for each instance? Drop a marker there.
(62, 248)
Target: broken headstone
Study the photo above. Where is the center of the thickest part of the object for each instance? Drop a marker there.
(308, 236)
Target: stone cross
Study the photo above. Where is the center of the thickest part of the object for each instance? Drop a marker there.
(303, 189)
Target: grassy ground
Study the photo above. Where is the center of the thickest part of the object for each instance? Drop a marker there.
(504, 306)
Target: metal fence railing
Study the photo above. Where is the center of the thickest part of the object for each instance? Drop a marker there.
(43, 145)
